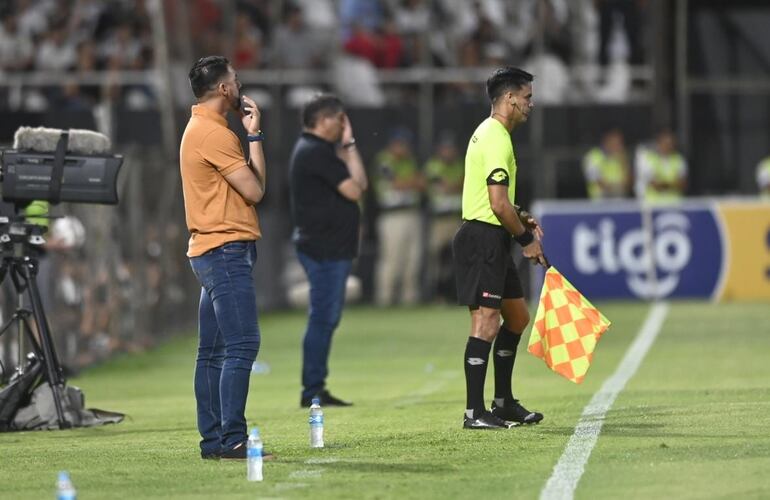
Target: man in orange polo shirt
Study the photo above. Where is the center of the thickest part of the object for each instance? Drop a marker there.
(220, 190)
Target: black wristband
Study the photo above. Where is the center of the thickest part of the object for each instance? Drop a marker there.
(524, 238)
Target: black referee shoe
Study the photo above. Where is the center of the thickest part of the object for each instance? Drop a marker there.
(485, 421)
(513, 412)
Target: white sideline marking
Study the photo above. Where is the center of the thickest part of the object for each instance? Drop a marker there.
(570, 467)
(290, 486)
(322, 460)
(429, 388)
(306, 474)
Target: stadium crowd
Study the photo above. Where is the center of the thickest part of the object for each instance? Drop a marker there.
(73, 37)
(67, 40)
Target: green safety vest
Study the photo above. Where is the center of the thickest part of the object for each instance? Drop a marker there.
(390, 169)
(35, 210)
(436, 170)
(664, 169)
(612, 171)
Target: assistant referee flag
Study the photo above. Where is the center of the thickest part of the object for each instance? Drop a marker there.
(567, 328)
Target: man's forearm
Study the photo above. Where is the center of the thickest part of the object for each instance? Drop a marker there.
(257, 162)
(355, 165)
(510, 220)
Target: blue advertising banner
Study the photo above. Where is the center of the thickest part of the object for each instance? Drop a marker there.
(618, 250)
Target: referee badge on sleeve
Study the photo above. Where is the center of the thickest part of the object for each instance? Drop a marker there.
(498, 176)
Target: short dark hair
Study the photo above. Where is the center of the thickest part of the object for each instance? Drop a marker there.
(506, 78)
(320, 105)
(206, 73)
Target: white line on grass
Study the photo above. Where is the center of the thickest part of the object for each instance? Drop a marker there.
(306, 474)
(570, 467)
(430, 387)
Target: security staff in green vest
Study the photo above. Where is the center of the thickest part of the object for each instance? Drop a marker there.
(661, 171)
(763, 178)
(398, 184)
(606, 168)
(37, 213)
(445, 171)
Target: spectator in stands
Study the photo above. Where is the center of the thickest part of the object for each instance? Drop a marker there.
(16, 49)
(56, 52)
(367, 15)
(462, 17)
(294, 45)
(444, 171)
(324, 16)
(763, 178)
(123, 48)
(34, 16)
(381, 47)
(362, 43)
(606, 168)
(247, 50)
(85, 16)
(412, 19)
(391, 47)
(483, 46)
(259, 13)
(205, 15)
(661, 171)
(611, 14)
(399, 185)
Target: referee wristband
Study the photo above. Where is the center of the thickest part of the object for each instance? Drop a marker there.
(524, 238)
(259, 136)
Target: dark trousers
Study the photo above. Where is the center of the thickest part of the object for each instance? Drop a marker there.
(228, 342)
(327, 296)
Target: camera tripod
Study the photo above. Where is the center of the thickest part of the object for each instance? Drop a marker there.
(20, 242)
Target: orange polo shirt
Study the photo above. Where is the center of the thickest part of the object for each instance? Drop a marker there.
(215, 212)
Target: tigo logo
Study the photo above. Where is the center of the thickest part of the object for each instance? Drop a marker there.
(670, 250)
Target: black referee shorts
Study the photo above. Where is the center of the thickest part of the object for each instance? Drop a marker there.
(484, 269)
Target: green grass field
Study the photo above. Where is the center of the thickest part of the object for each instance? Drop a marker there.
(692, 423)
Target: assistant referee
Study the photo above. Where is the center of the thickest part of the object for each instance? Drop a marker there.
(486, 277)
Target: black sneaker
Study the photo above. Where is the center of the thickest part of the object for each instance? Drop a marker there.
(213, 455)
(325, 398)
(515, 413)
(238, 452)
(485, 421)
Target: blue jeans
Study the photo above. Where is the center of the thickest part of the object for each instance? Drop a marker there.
(228, 342)
(327, 296)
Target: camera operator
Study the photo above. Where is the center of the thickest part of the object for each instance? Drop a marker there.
(220, 190)
(36, 212)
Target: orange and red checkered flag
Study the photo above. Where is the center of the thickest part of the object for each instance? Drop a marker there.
(567, 328)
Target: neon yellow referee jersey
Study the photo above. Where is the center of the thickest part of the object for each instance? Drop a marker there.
(488, 161)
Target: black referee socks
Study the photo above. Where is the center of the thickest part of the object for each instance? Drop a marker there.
(504, 358)
(476, 358)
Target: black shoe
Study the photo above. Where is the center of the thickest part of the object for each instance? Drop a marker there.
(485, 421)
(214, 455)
(238, 452)
(325, 398)
(515, 413)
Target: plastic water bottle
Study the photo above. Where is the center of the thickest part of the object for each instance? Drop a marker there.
(260, 368)
(316, 424)
(64, 488)
(254, 456)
